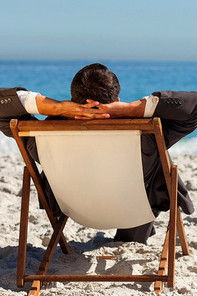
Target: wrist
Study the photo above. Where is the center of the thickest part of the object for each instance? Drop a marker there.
(67, 109)
(136, 108)
(62, 109)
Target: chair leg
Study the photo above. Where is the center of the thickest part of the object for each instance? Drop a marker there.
(63, 242)
(22, 249)
(35, 288)
(158, 286)
(33, 170)
(52, 245)
(172, 226)
(182, 235)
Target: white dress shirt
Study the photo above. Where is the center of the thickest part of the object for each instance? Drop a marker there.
(28, 100)
(151, 104)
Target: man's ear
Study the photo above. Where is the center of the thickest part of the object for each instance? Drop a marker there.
(118, 100)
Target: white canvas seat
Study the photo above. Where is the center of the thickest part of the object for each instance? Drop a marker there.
(96, 176)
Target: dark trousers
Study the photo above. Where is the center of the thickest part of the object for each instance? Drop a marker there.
(138, 234)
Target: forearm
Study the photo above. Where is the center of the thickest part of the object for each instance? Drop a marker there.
(125, 110)
(47, 106)
(136, 108)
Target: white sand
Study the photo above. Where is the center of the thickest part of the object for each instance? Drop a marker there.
(132, 256)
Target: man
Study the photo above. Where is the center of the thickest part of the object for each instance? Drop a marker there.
(178, 111)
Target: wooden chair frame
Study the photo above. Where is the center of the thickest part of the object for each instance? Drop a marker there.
(166, 271)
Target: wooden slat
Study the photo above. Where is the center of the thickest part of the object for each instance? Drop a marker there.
(172, 227)
(99, 124)
(96, 278)
(109, 257)
(163, 153)
(158, 286)
(35, 289)
(182, 235)
(29, 134)
(22, 248)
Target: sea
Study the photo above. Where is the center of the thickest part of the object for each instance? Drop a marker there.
(137, 79)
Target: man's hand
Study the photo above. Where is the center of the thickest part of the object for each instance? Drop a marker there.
(73, 110)
(119, 109)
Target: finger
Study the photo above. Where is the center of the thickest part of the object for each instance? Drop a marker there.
(90, 104)
(81, 117)
(92, 116)
(83, 110)
(92, 101)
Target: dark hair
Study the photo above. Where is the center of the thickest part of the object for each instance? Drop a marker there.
(95, 82)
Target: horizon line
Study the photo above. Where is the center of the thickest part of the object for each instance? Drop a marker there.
(86, 59)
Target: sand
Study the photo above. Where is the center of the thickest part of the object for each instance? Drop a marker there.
(133, 257)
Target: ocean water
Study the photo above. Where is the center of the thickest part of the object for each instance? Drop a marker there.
(137, 79)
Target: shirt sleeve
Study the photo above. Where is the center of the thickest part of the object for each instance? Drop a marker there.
(28, 100)
(151, 104)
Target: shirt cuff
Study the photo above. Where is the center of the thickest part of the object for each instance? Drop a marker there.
(28, 100)
(151, 104)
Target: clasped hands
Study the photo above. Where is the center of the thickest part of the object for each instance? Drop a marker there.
(87, 111)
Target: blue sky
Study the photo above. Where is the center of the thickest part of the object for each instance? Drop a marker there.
(99, 29)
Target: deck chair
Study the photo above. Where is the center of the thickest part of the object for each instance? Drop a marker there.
(107, 153)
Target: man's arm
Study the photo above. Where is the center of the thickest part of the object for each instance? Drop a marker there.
(119, 109)
(168, 105)
(177, 105)
(178, 113)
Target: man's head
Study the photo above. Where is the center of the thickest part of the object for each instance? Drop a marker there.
(95, 82)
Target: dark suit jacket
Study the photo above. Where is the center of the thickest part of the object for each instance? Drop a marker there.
(11, 107)
(178, 112)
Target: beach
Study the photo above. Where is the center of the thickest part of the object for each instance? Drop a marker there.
(131, 257)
